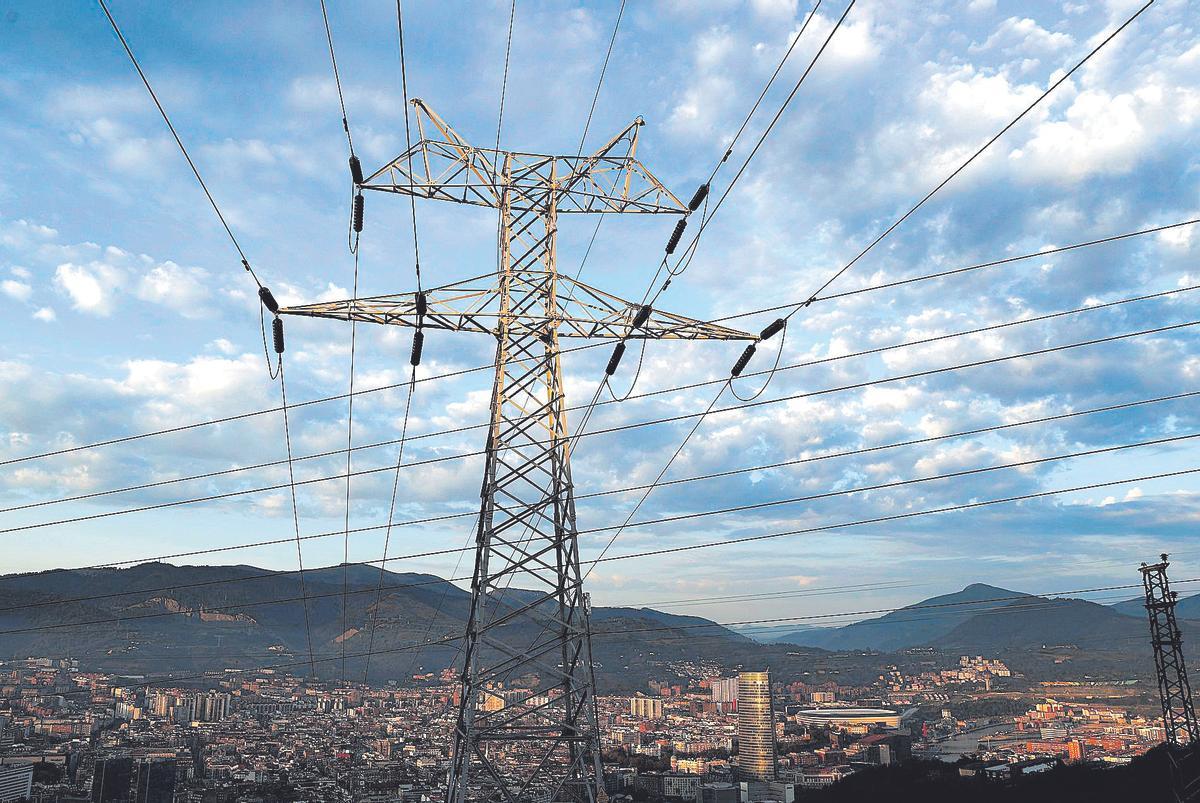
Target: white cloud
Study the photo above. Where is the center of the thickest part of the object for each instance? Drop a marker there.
(1016, 36)
(22, 235)
(178, 288)
(91, 288)
(318, 94)
(16, 290)
(774, 9)
(45, 315)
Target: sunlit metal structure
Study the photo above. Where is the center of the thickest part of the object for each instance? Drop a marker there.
(526, 726)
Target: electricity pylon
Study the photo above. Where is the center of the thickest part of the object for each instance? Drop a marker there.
(526, 713)
(1174, 691)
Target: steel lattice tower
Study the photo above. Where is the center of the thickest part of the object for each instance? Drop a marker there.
(526, 725)
(1174, 691)
(1179, 717)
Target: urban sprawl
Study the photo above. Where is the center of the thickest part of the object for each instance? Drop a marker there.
(711, 737)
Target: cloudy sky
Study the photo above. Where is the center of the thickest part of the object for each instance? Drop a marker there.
(125, 308)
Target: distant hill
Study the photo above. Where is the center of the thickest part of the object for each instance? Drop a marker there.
(1185, 608)
(915, 625)
(1036, 621)
(156, 617)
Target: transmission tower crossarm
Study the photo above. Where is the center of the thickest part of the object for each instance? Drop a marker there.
(473, 305)
(444, 166)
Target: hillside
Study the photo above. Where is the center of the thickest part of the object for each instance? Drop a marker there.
(156, 618)
(915, 625)
(1038, 622)
(1185, 608)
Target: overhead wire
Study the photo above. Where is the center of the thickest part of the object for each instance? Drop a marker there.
(583, 139)
(498, 135)
(272, 371)
(620, 528)
(606, 492)
(353, 234)
(648, 301)
(264, 293)
(418, 339)
(598, 344)
(781, 324)
(1037, 101)
(499, 232)
(266, 411)
(900, 516)
(179, 142)
(710, 410)
(725, 383)
(623, 490)
(895, 484)
(512, 15)
(287, 437)
(682, 262)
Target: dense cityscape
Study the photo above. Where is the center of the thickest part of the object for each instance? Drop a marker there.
(72, 735)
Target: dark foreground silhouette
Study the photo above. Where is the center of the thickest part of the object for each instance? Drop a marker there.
(1145, 780)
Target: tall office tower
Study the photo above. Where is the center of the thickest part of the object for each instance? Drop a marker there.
(756, 727)
(111, 780)
(155, 781)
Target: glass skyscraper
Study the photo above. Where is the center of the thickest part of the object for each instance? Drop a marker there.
(756, 727)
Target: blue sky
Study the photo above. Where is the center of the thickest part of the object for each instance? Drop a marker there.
(125, 308)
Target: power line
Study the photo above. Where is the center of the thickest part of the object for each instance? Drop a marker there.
(182, 148)
(711, 410)
(607, 492)
(895, 484)
(387, 538)
(685, 259)
(657, 480)
(337, 79)
(900, 516)
(749, 352)
(588, 346)
(750, 349)
(583, 138)
(977, 363)
(255, 413)
(893, 445)
(600, 81)
(896, 224)
(412, 198)
(287, 437)
(673, 389)
(354, 234)
(512, 14)
(994, 263)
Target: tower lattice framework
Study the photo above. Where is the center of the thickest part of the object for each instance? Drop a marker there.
(526, 724)
(1174, 690)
